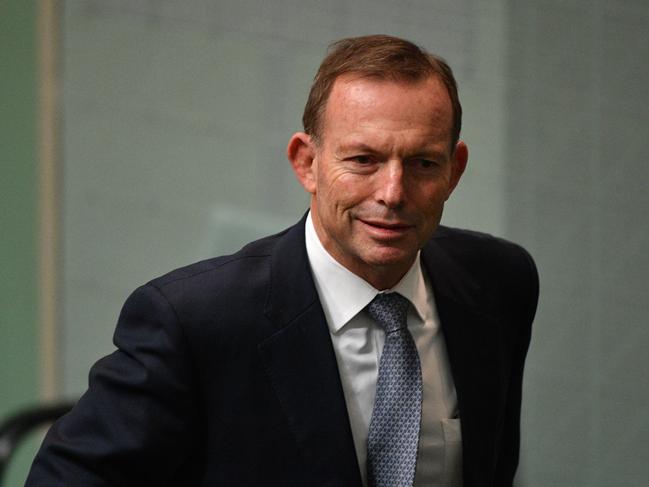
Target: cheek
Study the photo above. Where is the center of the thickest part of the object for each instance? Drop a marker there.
(344, 191)
(431, 196)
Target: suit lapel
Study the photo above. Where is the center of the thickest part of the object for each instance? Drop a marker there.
(473, 344)
(301, 364)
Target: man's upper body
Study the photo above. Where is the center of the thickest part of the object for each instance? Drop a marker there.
(225, 373)
(233, 371)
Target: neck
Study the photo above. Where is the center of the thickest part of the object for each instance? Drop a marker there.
(383, 279)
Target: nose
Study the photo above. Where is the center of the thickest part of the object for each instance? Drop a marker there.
(390, 186)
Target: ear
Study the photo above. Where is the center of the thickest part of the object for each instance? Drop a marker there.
(460, 157)
(301, 153)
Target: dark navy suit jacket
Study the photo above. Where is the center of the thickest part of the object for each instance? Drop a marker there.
(225, 375)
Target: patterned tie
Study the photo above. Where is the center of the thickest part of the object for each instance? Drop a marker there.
(394, 429)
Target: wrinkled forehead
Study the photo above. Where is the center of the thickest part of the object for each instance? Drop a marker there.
(357, 101)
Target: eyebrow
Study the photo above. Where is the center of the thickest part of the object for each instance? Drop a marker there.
(353, 146)
(356, 146)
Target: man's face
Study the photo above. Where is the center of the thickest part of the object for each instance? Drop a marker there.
(381, 173)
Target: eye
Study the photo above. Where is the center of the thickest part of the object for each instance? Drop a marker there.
(362, 159)
(424, 163)
(361, 163)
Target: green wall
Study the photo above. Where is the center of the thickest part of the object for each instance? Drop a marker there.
(18, 215)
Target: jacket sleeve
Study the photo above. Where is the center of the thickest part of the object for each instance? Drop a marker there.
(136, 423)
(526, 291)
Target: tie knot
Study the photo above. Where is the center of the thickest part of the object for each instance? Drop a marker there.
(389, 311)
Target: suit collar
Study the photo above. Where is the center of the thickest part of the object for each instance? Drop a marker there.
(450, 281)
(474, 345)
(301, 363)
(291, 289)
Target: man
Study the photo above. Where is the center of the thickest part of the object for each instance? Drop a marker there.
(363, 346)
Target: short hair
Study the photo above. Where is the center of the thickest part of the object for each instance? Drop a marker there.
(379, 57)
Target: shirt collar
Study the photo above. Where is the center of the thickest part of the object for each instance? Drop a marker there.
(343, 294)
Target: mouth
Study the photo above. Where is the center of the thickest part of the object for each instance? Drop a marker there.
(386, 230)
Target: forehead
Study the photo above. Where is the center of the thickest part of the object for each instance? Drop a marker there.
(358, 103)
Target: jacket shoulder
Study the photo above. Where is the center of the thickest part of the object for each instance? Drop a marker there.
(225, 289)
(496, 272)
(478, 250)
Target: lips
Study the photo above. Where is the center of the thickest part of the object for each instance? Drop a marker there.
(388, 225)
(389, 229)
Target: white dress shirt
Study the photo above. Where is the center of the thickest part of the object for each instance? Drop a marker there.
(358, 343)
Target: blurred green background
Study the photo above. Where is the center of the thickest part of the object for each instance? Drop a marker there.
(19, 384)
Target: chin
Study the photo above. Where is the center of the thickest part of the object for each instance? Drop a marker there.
(391, 257)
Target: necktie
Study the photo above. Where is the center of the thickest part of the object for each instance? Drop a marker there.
(394, 429)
